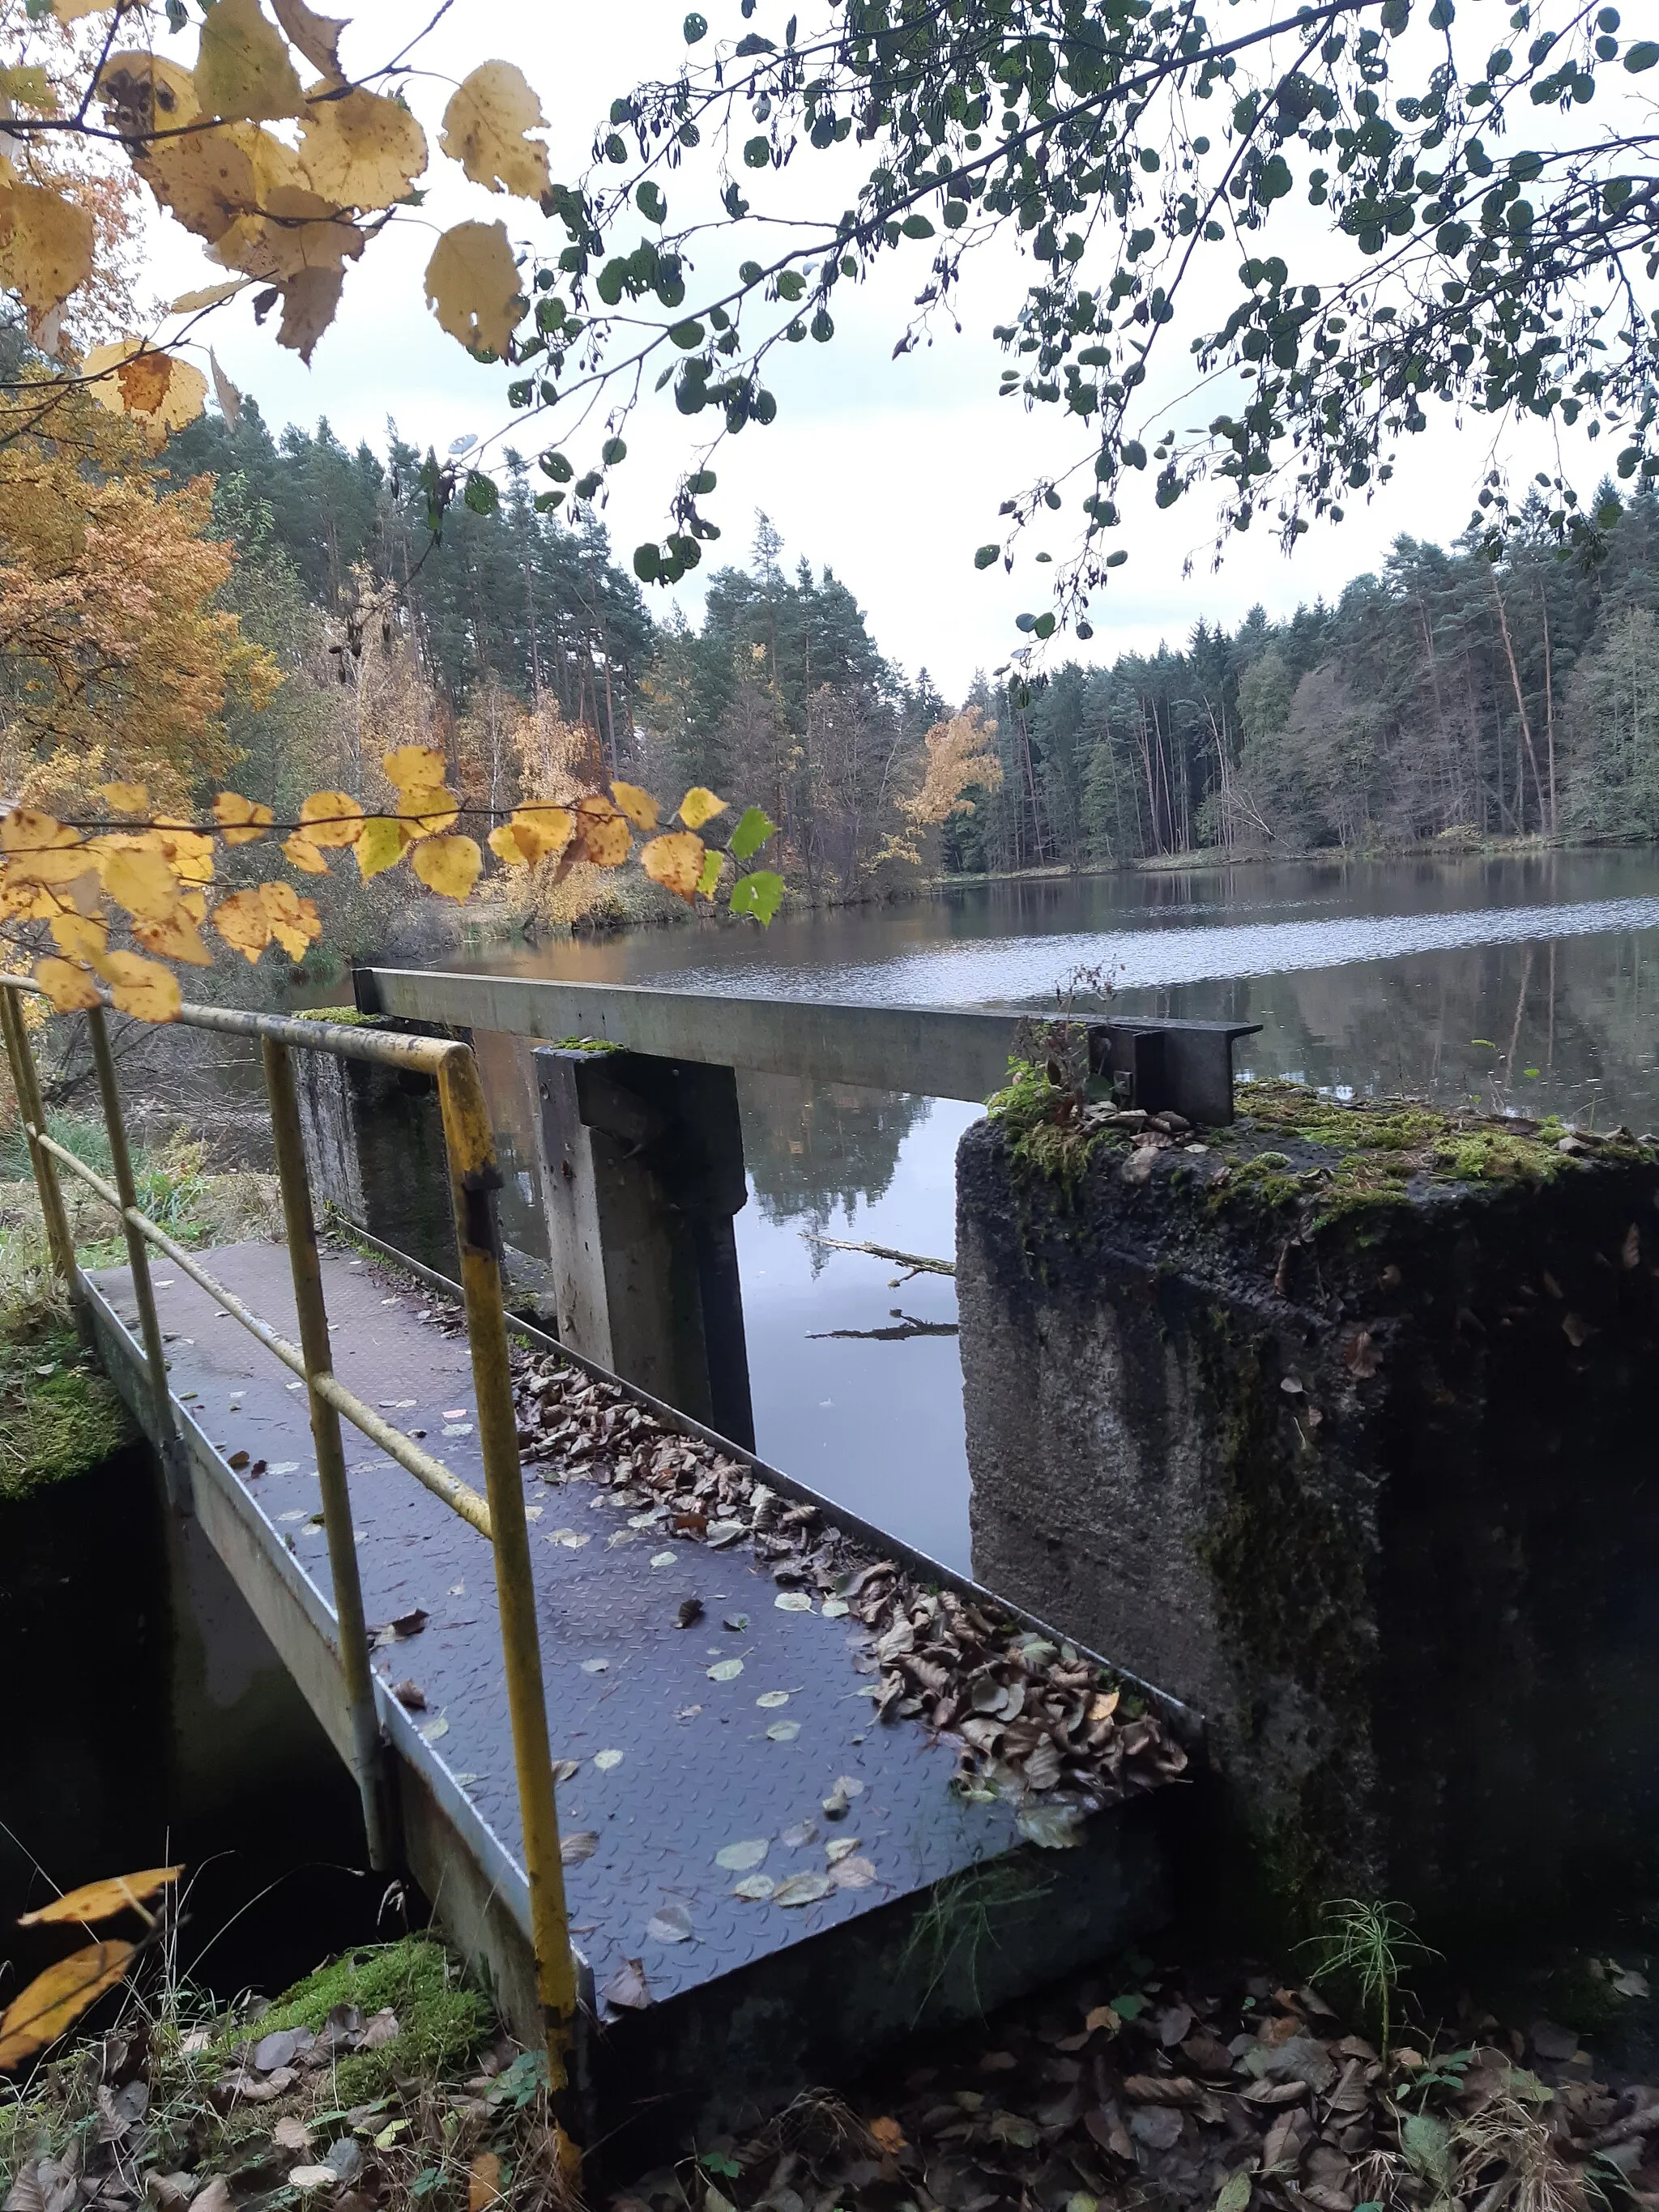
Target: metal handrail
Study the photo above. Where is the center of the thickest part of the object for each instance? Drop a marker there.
(474, 1177)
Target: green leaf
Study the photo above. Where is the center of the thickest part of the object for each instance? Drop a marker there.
(702, 485)
(693, 29)
(555, 465)
(757, 152)
(647, 563)
(916, 225)
(1642, 56)
(687, 334)
(711, 874)
(752, 833)
(791, 284)
(987, 555)
(481, 495)
(612, 451)
(650, 202)
(759, 894)
(1235, 2194)
(1427, 2147)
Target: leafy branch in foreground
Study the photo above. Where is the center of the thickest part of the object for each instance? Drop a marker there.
(1344, 211)
(56, 1999)
(155, 876)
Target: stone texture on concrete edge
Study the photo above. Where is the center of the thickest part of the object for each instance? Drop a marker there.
(1360, 1458)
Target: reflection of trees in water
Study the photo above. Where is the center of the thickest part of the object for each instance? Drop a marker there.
(1579, 1012)
(811, 1147)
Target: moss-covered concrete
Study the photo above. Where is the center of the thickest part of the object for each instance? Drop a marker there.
(1339, 1423)
(60, 1416)
(441, 2019)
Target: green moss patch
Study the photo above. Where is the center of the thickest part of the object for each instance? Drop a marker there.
(440, 2021)
(59, 1415)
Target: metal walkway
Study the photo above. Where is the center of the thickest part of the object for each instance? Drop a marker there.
(526, 1631)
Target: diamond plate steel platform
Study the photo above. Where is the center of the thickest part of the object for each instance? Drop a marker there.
(677, 1756)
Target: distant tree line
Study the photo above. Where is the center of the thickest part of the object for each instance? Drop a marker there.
(1449, 697)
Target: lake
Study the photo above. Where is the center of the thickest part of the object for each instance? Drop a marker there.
(1521, 984)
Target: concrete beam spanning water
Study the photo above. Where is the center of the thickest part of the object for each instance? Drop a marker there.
(943, 1051)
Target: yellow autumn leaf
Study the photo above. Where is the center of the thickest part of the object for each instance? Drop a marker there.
(700, 805)
(46, 245)
(504, 844)
(484, 127)
(474, 286)
(242, 820)
(28, 84)
(25, 830)
(427, 811)
(67, 984)
(414, 767)
(484, 2182)
(359, 149)
(210, 295)
(318, 37)
(189, 849)
(243, 72)
(675, 861)
(295, 922)
(79, 935)
(143, 883)
(448, 865)
(128, 378)
(61, 865)
(243, 922)
(299, 851)
(638, 805)
(383, 844)
(143, 988)
(177, 938)
(602, 831)
(71, 11)
(56, 1999)
(124, 797)
(194, 903)
(101, 1900)
(331, 819)
(542, 831)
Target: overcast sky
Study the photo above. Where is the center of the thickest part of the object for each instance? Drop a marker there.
(890, 472)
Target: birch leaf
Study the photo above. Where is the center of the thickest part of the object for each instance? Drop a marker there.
(474, 287)
(48, 245)
(143, 988)
(484, 126)
(361, 150)
(448, 865)
(243, 72)
(317, 37)
(675, 861)
(70, 988)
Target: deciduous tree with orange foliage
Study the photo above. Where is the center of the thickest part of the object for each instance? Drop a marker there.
(116, 662)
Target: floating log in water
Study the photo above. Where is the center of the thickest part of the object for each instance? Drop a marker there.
(915, 1261)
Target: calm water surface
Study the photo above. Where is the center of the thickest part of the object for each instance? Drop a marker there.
(1528, 984)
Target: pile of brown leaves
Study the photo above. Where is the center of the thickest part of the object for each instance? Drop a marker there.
(1033, 1718)
(1255, 2100)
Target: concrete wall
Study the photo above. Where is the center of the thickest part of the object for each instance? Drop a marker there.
(1376, 1496)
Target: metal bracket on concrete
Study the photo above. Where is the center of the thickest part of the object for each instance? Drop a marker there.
(1186, 1067)
(642, 1172)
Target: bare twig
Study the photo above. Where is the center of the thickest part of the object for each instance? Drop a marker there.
(915, 1262)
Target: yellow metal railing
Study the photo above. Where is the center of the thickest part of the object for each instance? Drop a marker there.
(500, 1515)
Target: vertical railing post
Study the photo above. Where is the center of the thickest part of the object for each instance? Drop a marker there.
(138, 1251)
(27, 1084)
(474, 1179)
(366, 1758)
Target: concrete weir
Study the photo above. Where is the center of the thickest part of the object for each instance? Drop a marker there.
(748, 2002)
(1340, 1423)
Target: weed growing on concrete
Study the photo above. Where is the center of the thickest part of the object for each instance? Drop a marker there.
(1364, 1943)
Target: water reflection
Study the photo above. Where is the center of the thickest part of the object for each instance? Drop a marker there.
(1523, 983)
